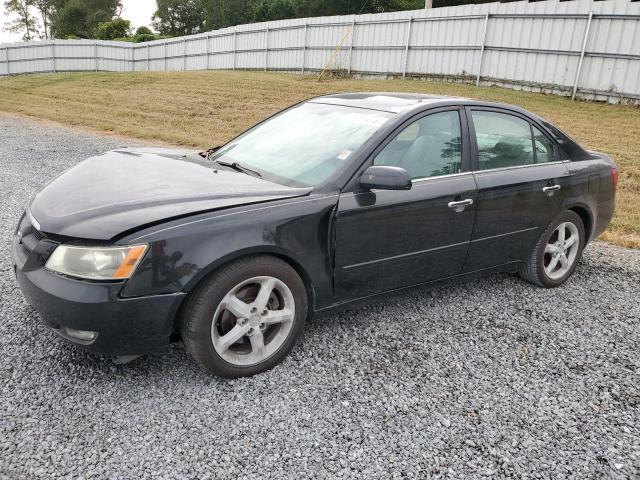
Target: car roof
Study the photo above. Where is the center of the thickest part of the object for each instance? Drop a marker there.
(385, 101)
(406, 104)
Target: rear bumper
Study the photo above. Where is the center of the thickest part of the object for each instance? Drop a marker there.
(604, 215)
(124, 326)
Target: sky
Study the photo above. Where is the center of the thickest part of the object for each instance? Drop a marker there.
(138, 11)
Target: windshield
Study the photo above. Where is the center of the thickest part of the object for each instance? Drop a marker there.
(304, 145)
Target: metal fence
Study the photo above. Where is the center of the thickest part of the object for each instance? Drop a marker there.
(581, 47)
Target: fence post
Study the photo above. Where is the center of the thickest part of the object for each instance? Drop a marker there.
(207, 49)
(406, 48)
(585, 39)
(266, 51)
(304, 48)
(184, 54)
(353, 32)
(165, 56)
(235, 34)
(53, 55)
(6, 51)
(484, 38)
(148, 61)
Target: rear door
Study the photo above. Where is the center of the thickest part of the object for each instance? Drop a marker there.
(391, 239)
(522, 179)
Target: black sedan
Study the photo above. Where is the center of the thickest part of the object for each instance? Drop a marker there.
(331, 201)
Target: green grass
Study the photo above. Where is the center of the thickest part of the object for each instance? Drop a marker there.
(208, 107)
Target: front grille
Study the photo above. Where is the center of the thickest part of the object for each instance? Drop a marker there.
(29, 236)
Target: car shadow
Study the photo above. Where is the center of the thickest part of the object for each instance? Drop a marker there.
(175, 366)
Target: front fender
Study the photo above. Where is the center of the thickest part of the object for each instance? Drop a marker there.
(184, 252)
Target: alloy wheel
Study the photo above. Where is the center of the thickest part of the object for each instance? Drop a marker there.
(253, 320)
(561, 250)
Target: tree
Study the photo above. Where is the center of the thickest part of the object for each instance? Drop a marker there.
(62, 18)
(179, 17)
(142, 30)
(116, 28)
(185, 17)
(45, 8)
(453, 3)
(81, 17)
(225, 13)
(25, 22)
(145, 34)
(274, 10)
(347, 7)
(146, 37)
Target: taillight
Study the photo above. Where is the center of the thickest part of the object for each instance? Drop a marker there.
(614, 177)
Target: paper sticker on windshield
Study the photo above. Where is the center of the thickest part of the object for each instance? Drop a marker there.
(344, 154)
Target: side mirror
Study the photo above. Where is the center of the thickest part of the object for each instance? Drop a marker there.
(385, 178)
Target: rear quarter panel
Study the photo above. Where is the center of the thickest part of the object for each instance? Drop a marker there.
(591, 188)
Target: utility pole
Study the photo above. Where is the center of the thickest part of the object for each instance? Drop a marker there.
(428, 4)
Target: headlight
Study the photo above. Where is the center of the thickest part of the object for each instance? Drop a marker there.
(96, 263)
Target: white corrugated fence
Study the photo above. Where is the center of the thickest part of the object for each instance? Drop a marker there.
(580, 48)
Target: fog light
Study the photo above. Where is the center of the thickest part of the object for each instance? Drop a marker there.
(84, 335)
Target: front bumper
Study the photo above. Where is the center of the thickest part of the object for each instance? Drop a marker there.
(124, 326)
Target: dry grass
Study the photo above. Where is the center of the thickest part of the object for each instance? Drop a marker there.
(207, 108)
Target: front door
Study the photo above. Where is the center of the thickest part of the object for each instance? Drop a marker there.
(392, 239)
(521, 179)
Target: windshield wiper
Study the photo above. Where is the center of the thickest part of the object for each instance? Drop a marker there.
(240, 168)
(207, 153)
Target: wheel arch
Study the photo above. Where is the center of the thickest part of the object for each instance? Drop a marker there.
(585, 214)
(281, 254)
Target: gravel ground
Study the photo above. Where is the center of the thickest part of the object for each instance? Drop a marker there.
(490, 378)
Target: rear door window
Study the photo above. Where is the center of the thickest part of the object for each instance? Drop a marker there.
(503, 140)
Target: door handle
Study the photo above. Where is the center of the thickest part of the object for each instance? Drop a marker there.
(459, 205)
(549, 190)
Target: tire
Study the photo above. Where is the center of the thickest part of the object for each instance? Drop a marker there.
(537, 269)
(222, 328)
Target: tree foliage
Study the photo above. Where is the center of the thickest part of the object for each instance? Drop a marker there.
(116, 28)
(75, 19)
(179, 17)
(100, 18)
(25, 22)
(45, 9)
(453, 3)
(81, 17)
(143, 31)
(184, 17)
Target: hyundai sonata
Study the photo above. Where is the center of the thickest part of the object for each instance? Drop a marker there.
(334, 200)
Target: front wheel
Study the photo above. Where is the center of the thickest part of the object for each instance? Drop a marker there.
(557, 252)
(246, 317)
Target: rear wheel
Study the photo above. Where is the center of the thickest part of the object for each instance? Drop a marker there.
(246, 317)
(557, 252)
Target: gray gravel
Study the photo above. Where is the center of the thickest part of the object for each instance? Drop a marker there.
(490, 378)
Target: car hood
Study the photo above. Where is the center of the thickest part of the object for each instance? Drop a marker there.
(125, 189)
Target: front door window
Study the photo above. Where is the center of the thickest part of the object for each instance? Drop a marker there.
(429, 147)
